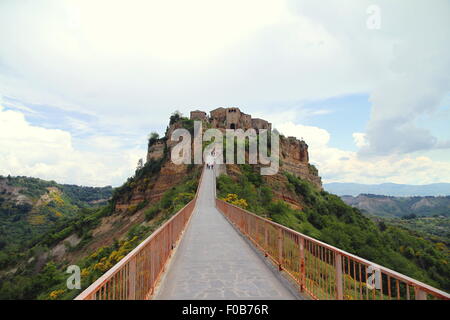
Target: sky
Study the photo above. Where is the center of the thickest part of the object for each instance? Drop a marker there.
(365, 83)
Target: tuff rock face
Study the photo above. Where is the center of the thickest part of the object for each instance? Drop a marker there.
(293, 152)
(152, 189)
(295, 159)
(294, 156)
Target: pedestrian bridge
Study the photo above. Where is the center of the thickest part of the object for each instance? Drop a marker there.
(211, 249)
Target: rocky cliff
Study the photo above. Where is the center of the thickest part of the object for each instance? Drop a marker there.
(295, 159)
(294, 154)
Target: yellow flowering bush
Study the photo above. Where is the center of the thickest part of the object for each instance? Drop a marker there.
(55, 294)
(107, 262)
(85, 272)
(234, 200)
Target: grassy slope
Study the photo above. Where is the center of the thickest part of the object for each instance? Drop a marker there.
(43, 204)
(436, 229)
(326, 217)
(50, 281)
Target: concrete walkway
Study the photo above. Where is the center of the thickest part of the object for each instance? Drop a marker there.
(214, 262)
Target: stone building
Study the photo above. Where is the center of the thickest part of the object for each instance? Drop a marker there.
(199, 115)
(231, 118)
(261, 124)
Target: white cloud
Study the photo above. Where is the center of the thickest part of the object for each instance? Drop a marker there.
(132, 64)
(410, 59)
(147, 57)
(315, 136)
(152, 56)
(49, 154)
(337, 165)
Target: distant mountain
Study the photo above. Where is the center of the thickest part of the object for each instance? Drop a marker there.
(387, 206)
(388, 189)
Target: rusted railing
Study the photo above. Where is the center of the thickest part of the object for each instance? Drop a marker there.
(323, 271)
(135, 276)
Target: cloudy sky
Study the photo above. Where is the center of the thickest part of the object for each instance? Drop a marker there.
(82, 83)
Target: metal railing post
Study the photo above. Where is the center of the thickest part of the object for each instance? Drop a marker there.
(339, 288)
(266, 238)
(280, 249)
(132, 279)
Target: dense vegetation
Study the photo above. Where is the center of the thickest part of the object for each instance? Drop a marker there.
(31, 207)
(436, 229)
(81, 196)
(35, 187)
(327, 218)
(50, 281)
(31, 271)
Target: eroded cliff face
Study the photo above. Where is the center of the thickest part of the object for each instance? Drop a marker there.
(156, 151)
(295, 159)
(152, 189)
(294, 155)
(294, 152)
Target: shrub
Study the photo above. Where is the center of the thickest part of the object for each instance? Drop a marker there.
(234, 200)
(151, 212)
(153, 137)
(183, 198)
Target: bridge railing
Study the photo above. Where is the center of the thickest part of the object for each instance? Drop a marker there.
(323, 271)
(135, 276)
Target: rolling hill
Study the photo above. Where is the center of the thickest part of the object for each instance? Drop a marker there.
(389, 206)
(29, 207)
(388, 189)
